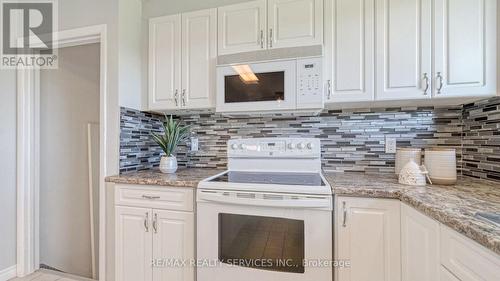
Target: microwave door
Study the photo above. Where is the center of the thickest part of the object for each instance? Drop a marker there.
(256, 87)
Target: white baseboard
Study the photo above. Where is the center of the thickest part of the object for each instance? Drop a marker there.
(8, 273)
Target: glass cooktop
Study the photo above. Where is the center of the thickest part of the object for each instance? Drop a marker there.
(307, 179)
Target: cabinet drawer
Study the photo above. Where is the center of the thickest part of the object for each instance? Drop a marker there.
(168, 198)
(466, 259)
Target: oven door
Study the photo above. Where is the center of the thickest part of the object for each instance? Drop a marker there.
(269, 86)
(249, 236)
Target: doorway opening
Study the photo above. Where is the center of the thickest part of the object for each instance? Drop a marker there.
(69, 163)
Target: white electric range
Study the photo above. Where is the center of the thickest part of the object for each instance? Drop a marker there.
(269, 217)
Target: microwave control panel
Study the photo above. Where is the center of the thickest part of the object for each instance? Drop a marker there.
(309, 83)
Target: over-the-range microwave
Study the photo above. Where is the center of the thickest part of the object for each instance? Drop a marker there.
(293, 85)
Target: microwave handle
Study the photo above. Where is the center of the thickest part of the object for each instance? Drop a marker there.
(319, 203)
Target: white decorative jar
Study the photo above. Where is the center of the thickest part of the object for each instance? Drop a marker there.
(413, 174)
(168, 164)
(442, 165)
(405, 155)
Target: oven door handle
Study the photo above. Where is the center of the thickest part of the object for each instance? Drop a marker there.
(313, 203)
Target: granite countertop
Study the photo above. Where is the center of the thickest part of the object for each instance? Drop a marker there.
(454, 206)
(184, 177)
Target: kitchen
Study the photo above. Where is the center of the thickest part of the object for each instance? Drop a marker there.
(309, 140)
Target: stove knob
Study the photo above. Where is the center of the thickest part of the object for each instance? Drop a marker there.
(290, 146)
(234, 146)
(310, 146)
(300, 146)
(242, 146)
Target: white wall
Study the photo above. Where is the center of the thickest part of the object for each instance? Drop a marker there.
(72, 14)
(69, 102)
(8, 169)
(133, 92)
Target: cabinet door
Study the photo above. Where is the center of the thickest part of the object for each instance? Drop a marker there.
(465, 48)
(368, 235)
(419, 246)
(294, 23)
(242, 27)
(133, 244)
(403, 36)
(199, 35)
(466, 259)
(174, 241)
(350, 50)
(164, 62)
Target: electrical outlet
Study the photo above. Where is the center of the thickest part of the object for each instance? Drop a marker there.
(194, 144)
(390, 145)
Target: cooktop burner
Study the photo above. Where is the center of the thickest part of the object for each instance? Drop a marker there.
(283, 178)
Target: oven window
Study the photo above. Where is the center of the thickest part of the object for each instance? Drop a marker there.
(267, 243)
(250, 87)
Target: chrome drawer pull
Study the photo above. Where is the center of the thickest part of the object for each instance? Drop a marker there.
(146, 222)
(155, 223)
(344, 222)
(150, 197)
(426, 79)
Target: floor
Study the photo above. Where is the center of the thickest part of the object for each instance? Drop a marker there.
(47, 275)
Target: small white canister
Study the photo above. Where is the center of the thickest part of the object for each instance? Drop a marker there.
(406, 155)
(442, 165)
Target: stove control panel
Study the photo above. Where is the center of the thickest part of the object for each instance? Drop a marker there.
(275, 147)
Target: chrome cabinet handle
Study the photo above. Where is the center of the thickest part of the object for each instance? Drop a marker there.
(176, 97)
(155, 223)
(184, 97)
(146, 222)
(329, 84)
(150, 197)
(270, 38)
(344, 220)
(262, 39)
(426, 79)
(441, 84)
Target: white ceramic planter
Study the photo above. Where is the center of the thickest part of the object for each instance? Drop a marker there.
(442, 165)
(168, 165)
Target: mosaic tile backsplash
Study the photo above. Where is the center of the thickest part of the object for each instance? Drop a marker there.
(352, 140)
(481, 139)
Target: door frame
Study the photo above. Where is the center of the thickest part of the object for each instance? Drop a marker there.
(28, 150)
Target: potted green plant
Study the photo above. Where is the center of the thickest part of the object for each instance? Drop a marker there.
(174, 134)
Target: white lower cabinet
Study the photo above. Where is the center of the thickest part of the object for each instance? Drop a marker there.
(445, 275)
(152, 244)
(133, 241)
(385, 239)
(368, 235)
(419, 246)
(466, 259)
(174, 239)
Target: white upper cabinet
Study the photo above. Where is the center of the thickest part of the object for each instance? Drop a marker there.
(182, 55)
(419, 246)
(242, 27)
(199, 51)
(266, 24)
(293, 23)
(368, 235)
(404, 58)
(350, 50)
(164, 62)
(465, 48)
